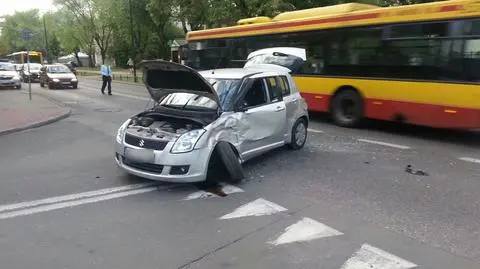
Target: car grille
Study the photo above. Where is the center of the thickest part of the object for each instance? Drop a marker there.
(65, 80)
(6, 78)
(147, 143)
(150, 167)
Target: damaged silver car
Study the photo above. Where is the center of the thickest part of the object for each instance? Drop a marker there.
(205, 124)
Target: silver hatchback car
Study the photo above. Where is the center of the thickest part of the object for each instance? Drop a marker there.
(210, 121)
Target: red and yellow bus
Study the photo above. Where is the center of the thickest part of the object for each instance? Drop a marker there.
(418, 64)
(21, 57)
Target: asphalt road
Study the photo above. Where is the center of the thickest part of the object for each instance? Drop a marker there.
(344, 201)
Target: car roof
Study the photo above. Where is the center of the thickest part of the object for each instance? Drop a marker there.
(239, 73)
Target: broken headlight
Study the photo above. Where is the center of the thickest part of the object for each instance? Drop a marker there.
(187, 141)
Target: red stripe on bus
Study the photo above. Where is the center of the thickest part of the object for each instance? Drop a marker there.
(290, 24)
(439, 116)
(449, 8)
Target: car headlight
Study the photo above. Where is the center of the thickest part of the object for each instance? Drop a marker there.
(187, 141)
(74, 80)
(16, 78)
(55, 80)
(121, 131)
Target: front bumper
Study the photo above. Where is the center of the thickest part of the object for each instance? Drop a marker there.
(10, 83)
(165, 166)
(61, 84)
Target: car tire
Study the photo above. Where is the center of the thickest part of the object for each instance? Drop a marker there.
(50, 86)
(299, 134)
(224, 165)
(18, 87)
(42, 85)
(347, 108)
(75, 86)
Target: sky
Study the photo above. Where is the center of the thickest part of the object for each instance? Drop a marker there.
(8, 7)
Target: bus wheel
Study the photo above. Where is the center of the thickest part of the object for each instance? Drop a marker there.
(347, 108)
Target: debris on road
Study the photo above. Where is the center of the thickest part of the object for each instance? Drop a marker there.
(409, 169)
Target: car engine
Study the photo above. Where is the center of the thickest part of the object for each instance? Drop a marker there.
(160, 127)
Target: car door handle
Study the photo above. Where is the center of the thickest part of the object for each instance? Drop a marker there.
(279, 108)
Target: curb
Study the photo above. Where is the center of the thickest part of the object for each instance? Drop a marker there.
(37, 124)
(43, 122)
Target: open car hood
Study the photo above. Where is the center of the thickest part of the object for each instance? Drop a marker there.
(287, 57)
(162, 78)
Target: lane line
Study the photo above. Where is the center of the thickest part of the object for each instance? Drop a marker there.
(370, 257)
(315, 131)
(75, 196)
(45, 208)
(468, 159)
(384, 144)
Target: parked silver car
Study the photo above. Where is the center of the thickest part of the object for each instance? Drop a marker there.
(209, 121)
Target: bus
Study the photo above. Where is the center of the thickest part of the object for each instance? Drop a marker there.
(21, 57)
(418, 64)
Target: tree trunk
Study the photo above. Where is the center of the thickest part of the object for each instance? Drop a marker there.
(79, 62)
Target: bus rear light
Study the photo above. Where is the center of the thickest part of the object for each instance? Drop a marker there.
(377, 103)
(450, 111)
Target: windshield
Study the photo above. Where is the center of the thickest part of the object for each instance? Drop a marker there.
(225, 89)
(58, 69)
(33, 67)
(7, 67)
(293, 63)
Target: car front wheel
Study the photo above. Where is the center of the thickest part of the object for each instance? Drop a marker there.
(299, 134)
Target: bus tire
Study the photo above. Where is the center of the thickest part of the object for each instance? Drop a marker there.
(347, 108)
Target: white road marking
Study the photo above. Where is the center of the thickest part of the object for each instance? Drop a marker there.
(369, 257)
(74, 196)
(468, 159)
(256, 208)
(316, 131)
(384, 144)
(306, 229)
(45, 208)
(227, 189)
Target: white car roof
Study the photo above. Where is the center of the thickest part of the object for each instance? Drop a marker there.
(239, 73)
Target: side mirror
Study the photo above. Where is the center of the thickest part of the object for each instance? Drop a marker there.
(241, 107)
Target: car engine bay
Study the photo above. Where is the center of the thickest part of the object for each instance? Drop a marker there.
(160, 127)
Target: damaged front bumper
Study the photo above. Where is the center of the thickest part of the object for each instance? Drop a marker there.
(162, 165)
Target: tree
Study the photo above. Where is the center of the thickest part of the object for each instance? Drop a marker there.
(93, 17)
(54, 47)
(13, 27)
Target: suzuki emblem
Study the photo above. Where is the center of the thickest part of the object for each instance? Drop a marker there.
(141, 143)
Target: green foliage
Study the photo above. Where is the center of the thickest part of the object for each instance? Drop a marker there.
(122, 29)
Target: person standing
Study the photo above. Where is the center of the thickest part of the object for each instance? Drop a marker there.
(106, 71)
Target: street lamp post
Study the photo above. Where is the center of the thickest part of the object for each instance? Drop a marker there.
(133, 42)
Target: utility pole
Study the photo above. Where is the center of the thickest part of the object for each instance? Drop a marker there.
(46, 40)
(27, 36)
(133, 42)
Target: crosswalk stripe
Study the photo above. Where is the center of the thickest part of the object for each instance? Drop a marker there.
(306, 229)
(259, 207)
(370, 257)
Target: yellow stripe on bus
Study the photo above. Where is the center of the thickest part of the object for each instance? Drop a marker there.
(448, 94)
